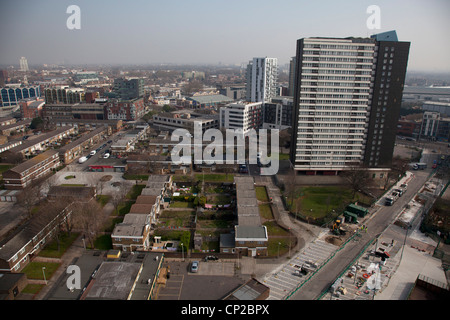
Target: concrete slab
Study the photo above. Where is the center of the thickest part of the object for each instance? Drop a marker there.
(414, 262)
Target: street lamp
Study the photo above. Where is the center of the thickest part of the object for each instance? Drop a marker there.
(182, 251)
(43, 272)
(279, 243)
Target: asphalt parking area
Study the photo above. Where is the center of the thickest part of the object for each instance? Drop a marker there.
(172, 289)
(213, 281)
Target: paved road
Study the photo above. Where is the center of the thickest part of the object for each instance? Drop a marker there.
(376, 223)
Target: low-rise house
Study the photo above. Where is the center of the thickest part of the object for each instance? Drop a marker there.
(20, 126)
(44, 141)
(127, 277)
(73, 150)
(71, 193)
(28, 239)
(251, 237)
(133, 233)
(11, 284)
(25, 173)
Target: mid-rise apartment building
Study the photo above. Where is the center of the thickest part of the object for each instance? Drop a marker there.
(64, 95)
(10, 96)
(262, 76)
(347, 100)
(241, 116)
(128, 89)
(278, 113)
(185, 119)
(129, 110)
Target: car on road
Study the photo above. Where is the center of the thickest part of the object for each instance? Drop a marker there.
(82, 159)
(93, 152)
(106, 156)
(389, 201)
(194, 266)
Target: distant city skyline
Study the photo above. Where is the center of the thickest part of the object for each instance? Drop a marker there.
(210, 32)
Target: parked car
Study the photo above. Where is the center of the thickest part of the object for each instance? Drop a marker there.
(93, 152)
(82, 159)
(106, 156)
(194, 266)
(211, 258)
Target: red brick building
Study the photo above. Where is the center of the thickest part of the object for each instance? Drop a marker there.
(125, 110)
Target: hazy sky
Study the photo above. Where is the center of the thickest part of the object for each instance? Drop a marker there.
(210, 31)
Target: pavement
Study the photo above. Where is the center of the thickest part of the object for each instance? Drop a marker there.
(413, 262)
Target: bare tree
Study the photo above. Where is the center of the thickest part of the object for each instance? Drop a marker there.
(55, 208)
(28, 198)
(88, 217)
(290, 187)
(357, 177)
(119, 195)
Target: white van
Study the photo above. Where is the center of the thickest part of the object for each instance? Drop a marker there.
(82, 159)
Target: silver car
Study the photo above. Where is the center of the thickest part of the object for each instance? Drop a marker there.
(194, 266)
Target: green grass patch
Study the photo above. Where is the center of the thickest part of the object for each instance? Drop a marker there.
(265, 211)
(215, 177)
(51, 249)
(124, 208)
(179, 204)
(69, 177)
(181, 178)
(143, 177)
(32, 288)
(5, 167)
(277, 246)
(103, 199)
(219, 199)
(212, 224)
(261, 194)
(103, 242)
(318, 202)
(34, 270)
(135, 191)
(273, 229)
(176, 219)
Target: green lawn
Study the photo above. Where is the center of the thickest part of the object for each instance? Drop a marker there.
(103, 242)
(175, 219)
(215, 177)
(278, 245)
(34, 270)
(317, 202)
(4, 167)
(135, 191)
(265, 211)
(180, 204)
(51, 249)
(261, 194)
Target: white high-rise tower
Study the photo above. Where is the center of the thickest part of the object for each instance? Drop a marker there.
(23, 64)
(262, 75)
